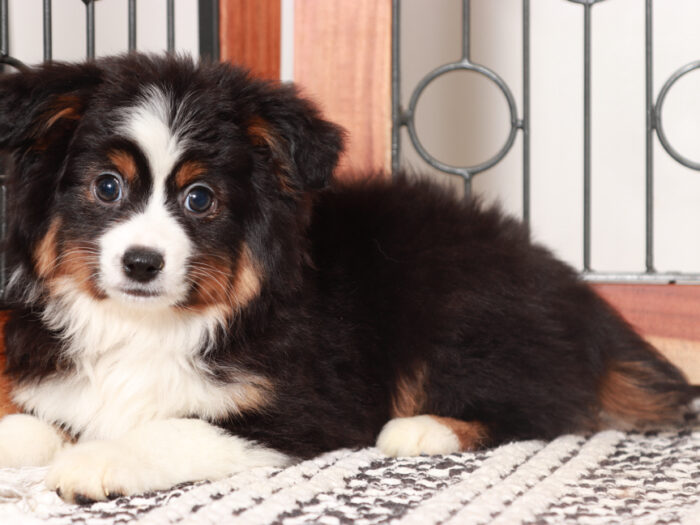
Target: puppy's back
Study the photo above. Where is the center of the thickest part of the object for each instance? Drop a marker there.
(479, 322)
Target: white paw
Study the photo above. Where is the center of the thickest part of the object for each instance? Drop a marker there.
(154, 456)
(26, 441)
(95, 471)
(412, 436)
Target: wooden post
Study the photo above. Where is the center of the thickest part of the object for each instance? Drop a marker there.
(342, 60)
(250, 35)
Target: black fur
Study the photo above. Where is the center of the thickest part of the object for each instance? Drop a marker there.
(364, 284)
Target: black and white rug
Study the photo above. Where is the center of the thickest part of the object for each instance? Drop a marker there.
(610, 477)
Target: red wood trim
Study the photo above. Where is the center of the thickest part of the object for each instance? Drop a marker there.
(249, 32)
(670, 311)
(342, 59)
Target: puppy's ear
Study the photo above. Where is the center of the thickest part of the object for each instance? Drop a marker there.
(303, 147)
(43, 104)
(40, 108)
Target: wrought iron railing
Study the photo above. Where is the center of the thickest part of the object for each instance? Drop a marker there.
(520, 122)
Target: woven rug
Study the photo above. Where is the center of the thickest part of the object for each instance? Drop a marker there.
(650, 476)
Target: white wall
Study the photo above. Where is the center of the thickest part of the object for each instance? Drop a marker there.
(463, 119)
(111, 35)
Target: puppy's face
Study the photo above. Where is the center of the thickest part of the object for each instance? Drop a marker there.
(157, 184)
(146, 213)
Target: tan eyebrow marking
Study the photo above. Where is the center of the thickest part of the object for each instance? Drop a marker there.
(190, 171)
(124, 163)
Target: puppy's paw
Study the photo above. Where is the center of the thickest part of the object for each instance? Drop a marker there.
(96, 471)
(26, 441)
(412, 436)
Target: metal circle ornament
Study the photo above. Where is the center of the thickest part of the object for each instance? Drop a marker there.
(467, 171)
(677, 75)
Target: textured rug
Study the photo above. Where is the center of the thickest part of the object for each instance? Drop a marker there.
(639, 477)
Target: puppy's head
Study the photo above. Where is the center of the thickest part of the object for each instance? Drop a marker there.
(157, 183)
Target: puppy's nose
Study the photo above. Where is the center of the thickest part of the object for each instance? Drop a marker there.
(142, 264)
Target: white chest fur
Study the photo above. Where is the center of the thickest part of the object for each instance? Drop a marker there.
(132, 365)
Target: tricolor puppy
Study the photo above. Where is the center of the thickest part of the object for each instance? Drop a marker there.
(195, 295)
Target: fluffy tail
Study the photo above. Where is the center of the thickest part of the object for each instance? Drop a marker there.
(639, 385)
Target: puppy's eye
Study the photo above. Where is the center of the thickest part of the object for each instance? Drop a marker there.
(199, 199)
(108, 187)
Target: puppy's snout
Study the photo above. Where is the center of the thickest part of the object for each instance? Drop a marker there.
(142, 264)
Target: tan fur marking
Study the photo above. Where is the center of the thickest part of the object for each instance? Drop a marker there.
(218, 286)
(189, 172)
(80, 263)
(213, 283)
(252, 393)
(624, 393)
(46, 252)
(65, 113)
(408, 398)
(124, 163)
(6, 404)
(262, 134)
(66, 107)
(248, 279)
(472, 435)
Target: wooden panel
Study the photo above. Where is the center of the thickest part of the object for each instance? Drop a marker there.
(250, 35)
(342, 59)
(668, 316)
(670, 311)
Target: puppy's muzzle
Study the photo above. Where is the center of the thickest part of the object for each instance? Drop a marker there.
(142, 264)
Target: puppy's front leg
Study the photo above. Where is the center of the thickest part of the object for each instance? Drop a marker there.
(156, 455)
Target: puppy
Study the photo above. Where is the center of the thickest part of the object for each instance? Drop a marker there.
(194, 295)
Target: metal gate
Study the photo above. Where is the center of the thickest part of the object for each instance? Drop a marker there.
(520, 123)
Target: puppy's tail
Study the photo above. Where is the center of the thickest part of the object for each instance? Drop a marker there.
(641, 385)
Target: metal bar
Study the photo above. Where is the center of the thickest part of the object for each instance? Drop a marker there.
(47, 31)
(587, 137)
(642, 278)
(132, 25)
(4, 31)
(209, 29)
(3, 233)
(466, 57)
(395, 86)
(90, 28)
(466, 48)
(170, 14)
(651, 125)
(467, 187)
(526, 113)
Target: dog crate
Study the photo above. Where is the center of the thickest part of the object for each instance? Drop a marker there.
(348, 56)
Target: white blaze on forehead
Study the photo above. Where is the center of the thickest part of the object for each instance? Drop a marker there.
(148, 125)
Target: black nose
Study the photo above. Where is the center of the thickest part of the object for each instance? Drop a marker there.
(142, 264)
